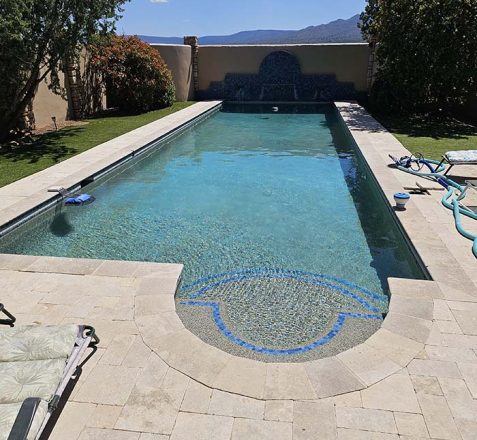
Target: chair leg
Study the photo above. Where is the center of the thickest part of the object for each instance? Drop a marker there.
(441, 162)
(448, 169)
(11, 319)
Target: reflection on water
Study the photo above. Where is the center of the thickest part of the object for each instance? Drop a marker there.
(60, 225)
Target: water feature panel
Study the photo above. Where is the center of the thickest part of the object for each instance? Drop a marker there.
(280, 79)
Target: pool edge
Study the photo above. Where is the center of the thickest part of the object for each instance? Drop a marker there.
(374, 144)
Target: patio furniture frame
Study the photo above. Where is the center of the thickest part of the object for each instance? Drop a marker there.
(85, 338)
(452, 163)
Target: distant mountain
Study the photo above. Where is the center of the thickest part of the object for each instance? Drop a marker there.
(338, 31)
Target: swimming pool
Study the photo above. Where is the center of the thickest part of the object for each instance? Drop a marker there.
(279, 225)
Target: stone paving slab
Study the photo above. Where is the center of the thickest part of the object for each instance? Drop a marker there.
(314, 420)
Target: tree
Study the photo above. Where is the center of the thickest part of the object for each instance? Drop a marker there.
(426, 53)
(36, 38)
(136, 77)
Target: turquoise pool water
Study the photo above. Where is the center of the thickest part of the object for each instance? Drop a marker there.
(247, 188)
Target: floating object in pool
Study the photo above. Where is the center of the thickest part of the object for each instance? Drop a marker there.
(401, 199)
(275, 109)
(79, 199)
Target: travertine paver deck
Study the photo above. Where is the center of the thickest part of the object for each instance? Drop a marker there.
(150, 379)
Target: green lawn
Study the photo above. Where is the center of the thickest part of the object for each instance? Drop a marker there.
(431, 136)
(53, 147)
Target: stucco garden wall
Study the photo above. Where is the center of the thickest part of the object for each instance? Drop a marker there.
(349, 62)
(47, 104)
(179, 60)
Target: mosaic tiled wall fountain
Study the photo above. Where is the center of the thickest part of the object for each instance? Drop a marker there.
(280, 79)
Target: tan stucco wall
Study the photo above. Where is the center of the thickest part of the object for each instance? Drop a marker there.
(46, 104)
(348, 61)
(179, 60)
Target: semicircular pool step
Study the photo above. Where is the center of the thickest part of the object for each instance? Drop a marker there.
(278, 315)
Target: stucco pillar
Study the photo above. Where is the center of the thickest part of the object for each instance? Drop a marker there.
(371, 65)
(194, 43)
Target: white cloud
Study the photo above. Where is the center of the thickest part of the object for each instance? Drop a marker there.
(159, 1)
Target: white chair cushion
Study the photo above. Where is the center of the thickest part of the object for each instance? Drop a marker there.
(32, 364)
(30, 343)
(20, 380)
(462, 157)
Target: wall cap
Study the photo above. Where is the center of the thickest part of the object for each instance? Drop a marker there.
(168, 45)
(285, 45)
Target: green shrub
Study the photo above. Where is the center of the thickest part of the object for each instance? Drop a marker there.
(37, 39)
(426, 53)
(136, 77)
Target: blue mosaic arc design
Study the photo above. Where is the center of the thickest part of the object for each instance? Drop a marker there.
(291, 277)
(264, 270)
(279, 79)
(219, 322)
(199, 288)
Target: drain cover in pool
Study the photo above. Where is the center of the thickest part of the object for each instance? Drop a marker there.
(277, 315)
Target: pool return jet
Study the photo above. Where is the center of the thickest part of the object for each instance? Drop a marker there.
(434, 170)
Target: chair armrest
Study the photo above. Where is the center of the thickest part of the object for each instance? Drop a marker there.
(21, 426)
(91, 333)
(11, 319)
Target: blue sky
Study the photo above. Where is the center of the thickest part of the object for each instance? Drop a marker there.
(221, 17)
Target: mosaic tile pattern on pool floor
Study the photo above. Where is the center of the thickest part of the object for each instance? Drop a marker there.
(280, 316)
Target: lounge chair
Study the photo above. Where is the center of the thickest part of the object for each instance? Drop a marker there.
(36, 364)
(463, 157)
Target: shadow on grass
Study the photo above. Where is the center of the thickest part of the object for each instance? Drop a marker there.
(428, 126)
(116, 113)
(51, 145)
